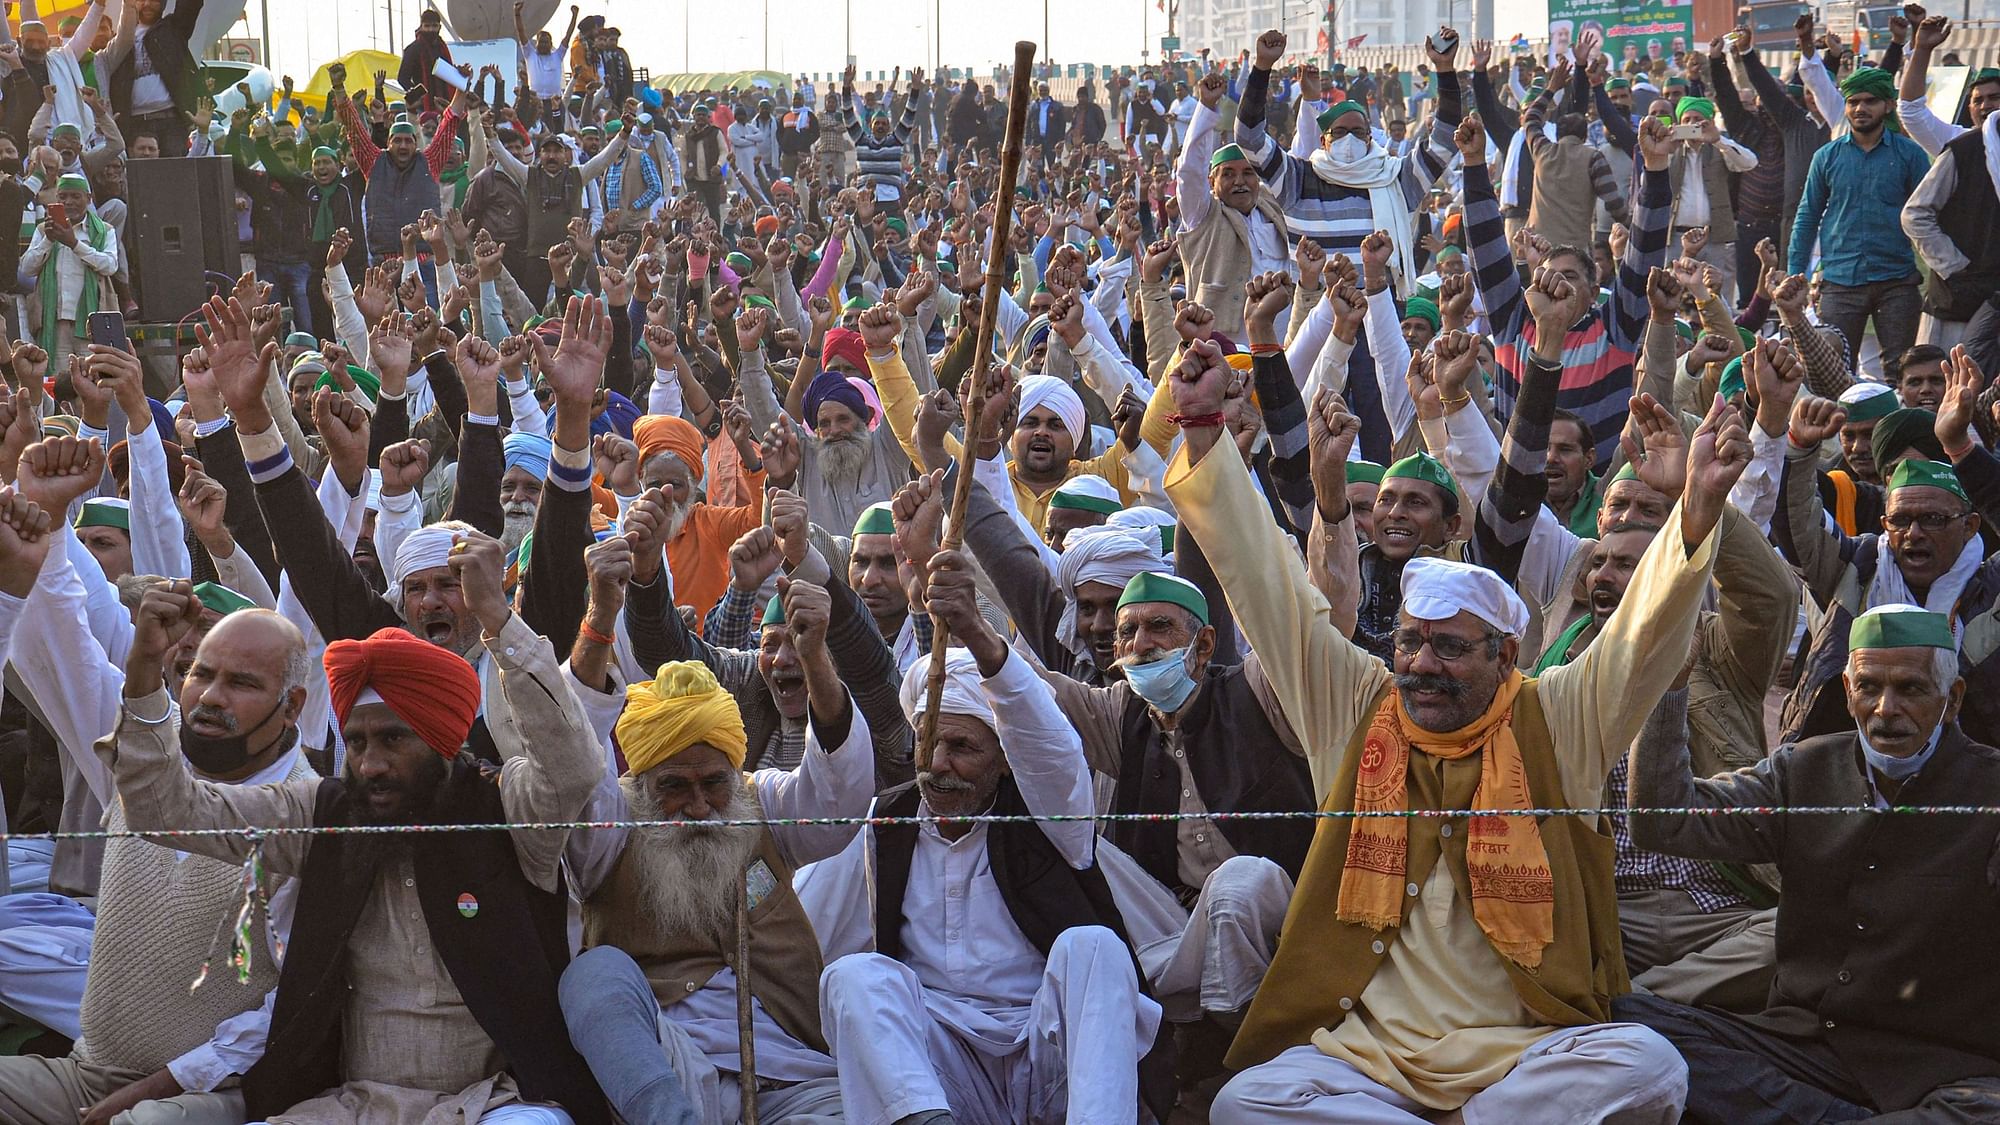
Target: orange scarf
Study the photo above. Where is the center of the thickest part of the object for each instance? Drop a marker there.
(1513, 891)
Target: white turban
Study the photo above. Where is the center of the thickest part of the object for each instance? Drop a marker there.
(1111, 555)
(1053, 393)
(1438, 589)
(1092, 486)
(1141, 518)
(964, 690)
(426, 548)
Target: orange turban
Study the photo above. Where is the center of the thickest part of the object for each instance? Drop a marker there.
(657, 433)
(432, 689)
(767, 226)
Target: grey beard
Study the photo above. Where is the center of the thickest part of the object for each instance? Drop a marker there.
(841, 461)
(520, 517)
(687, 875)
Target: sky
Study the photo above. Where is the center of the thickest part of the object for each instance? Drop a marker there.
(805, 35)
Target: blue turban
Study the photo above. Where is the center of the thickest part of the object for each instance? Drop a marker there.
(618, 417)
(522, 450)
(832, 386)
(162, 417)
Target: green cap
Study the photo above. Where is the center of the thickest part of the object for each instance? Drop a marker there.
(1684, 330)
(402, 129)
(740, 262)
(369, 382)
(1334, 112)
(327, 151)
(875, 519)
(1900, 626)
(860, 302)
(1364, 472)
(1984, 74)
(1627, 471)
(1866, 402)
(66, 130)
(301, 340)
(1227, 153)
(1079, 502)
(1147, 586)
(1703, 106)
(221, 599)
(105, 511)
(758, 300)
(72, 182)
(1423, 309)
(897, 225)
(1423, 467)
(1915, 472)
(1732, 378)
(1618, 84)
(774, 611)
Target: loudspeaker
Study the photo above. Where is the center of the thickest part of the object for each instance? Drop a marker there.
(182, 224)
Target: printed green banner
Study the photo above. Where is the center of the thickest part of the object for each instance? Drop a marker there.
(1650, 29)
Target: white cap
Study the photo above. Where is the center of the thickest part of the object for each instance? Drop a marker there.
(1438, 589)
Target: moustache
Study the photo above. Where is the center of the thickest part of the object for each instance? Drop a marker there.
(208, 713)
(518, 508)
(1443, 685)
(943, 782)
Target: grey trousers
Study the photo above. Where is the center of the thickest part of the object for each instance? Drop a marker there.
(38, 1091)
(1725, 959)
(1893, 306)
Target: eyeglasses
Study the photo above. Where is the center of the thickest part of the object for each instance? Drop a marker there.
(1449, 649)
(1929, 521)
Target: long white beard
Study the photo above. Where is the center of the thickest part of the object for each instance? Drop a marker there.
(520, 517)
(841, 462)
(687, 875)
(677, 516)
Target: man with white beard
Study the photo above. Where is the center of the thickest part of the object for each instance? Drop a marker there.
(652, 1003)
(848, 460)
(526, 457)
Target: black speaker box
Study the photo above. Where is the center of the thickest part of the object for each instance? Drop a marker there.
(182, 225)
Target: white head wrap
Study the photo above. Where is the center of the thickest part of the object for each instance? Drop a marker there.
(1111, 555)
(426, 548)
(1437, 589)
(1053, 393)
(964, 690)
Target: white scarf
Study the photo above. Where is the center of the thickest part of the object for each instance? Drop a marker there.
(1378, 171)
(1889, 588)
(1510, 176)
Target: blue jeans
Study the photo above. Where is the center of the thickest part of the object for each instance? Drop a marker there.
(289, 285)
(614, 1022)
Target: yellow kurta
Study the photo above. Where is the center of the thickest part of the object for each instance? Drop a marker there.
(899, 402)
(1439, 1021)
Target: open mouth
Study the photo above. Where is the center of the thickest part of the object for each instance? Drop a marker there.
(437, 632)
(1395, 534)
(1915, 558)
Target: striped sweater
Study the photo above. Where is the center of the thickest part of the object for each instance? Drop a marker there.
(880, 159)
(1599, 353)
(1337, 217)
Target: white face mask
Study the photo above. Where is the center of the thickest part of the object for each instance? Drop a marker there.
(1348, 148)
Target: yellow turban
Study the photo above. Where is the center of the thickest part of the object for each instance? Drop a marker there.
(679, 707)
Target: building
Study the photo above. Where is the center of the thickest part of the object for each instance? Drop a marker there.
(1228, 27)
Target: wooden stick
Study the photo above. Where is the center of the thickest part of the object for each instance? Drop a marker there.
(746, 1077)
(975, 403)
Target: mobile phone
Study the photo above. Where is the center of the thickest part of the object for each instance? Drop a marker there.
(1447, 42)
(1684, 133)
(58, 214)
(108, 328)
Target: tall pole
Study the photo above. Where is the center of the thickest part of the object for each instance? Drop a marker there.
(767, 34)
(266, 23)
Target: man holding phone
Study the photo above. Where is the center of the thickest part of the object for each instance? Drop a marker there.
(74, 254)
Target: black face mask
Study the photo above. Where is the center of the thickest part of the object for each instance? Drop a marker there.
(225, 754)
(11, 166)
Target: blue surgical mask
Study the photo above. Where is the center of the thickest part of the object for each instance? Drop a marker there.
(1889, 766)
(1164, 683)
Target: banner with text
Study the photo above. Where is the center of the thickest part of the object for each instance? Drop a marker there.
(1648, 29)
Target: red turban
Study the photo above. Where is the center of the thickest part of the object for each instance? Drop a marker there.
(845, 343)
(657, 433)
(433, 689)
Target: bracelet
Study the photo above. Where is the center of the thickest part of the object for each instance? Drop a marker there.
(814, 353)
(1266, 349)
(1454, 403)
(595, 637)
(1186, 421)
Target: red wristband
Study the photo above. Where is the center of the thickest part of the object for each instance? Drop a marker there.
(1266, 349)
(595, 637)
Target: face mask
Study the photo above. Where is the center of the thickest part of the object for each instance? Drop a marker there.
(1349, 147)
(1899, 769)
(1164, 684)
(225, 754)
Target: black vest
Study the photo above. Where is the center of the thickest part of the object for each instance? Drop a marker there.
(505, 959)
(549, 211)
(1967, 218)
(1241, 765)
(1885, 927)
(1044, 897)
(396, 198)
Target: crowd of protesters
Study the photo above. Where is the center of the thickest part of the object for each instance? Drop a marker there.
(1380, 483)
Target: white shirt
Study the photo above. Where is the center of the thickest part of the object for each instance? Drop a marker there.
(545, 72)
(1268, 252)
(149, 90)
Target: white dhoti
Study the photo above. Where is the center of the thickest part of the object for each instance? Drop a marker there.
(28, 863)
(902, 1048)
(516, 1114)
(1605, 1072)
(1217, 962)
(44, 958)
(718, 1099)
